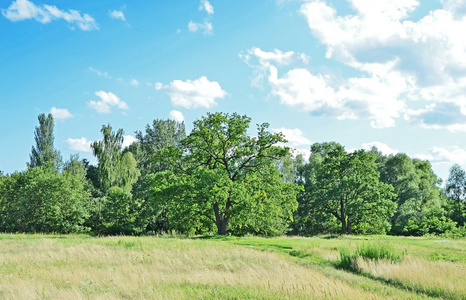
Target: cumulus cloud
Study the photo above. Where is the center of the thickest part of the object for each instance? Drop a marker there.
(81, 145)
(374, 97)
(261, 61)
(107, 100)
(128, 140)
(117, 15)
(424, 60)
(294, 137)
(382, 147)
(21, 10)
(446, 156)
(193, 93)
(444, 115)
(134, 82)
(177, 116)
(60, 113)
(205, 5)
(206, 27)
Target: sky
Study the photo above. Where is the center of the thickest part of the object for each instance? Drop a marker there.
(363, 73)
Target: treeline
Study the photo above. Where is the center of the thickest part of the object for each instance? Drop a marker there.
(220, 179)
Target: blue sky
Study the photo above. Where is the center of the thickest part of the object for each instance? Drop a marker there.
(360, 72)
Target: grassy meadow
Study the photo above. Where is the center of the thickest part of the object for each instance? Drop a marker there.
(211, 267)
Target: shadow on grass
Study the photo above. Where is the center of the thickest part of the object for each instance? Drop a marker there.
(425, 291)
(213, 237)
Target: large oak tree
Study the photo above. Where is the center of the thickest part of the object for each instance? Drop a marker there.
(224, 176)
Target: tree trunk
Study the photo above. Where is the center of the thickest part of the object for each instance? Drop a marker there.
(343, 225)
(349, 230)
(222, 227)
(221, 219)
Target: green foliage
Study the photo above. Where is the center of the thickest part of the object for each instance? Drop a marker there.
(267, 206)
(347, 186)
(455, 189)
(429, 224)
(114, 169)
(370, 251)
(115, 213)
(161, 135)
(44, 154)
(108, 153)
(127, 172)
(219, 179)
(43, 200)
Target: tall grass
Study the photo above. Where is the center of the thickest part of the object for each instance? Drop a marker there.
(368, 251)
(157, 268)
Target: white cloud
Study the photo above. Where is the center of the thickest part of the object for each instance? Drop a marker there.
(99, 73)
(266, 59)
(60, 113)
(177, 116)
(412, 60)
(444, 115)
(206, 27)
(107, 100)
(21, 10)
(442, 155)
(193, 93)
(81, 145)
(382, 147)
(158, 86)
(205, 5)
(128, 140)
(357, 98)
(117, 14)
(134, 82)
(294, 136)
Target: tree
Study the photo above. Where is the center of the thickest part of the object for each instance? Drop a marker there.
(417, 193)
(108, 153)
(348, 187)
(115, 213)
(310, 218)
(41, 199)
(218, 177)
(114, 169)
(156, 137)
(43, 154)
(162, 134)
(456, 190)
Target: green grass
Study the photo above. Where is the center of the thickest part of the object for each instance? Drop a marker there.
(369, 251)
(213, 267)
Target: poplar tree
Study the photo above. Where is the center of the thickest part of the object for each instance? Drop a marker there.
(44, 154)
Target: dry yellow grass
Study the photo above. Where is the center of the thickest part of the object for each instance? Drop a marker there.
(155, 268)
(433, 277)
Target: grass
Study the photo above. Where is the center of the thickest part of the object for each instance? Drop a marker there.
(81, 267)
(368, 251)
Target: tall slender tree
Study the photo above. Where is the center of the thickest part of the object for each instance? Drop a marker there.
(108, 153)
(456, 191)
(44, 154)
(114, 168)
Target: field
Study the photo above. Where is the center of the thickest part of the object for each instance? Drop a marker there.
(83, 267)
